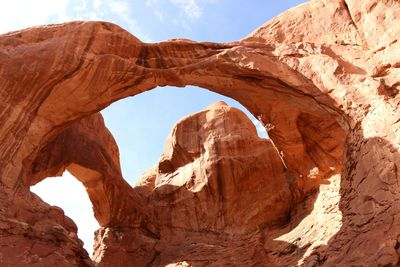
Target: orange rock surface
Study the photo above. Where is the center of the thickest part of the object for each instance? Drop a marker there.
(228, 177)
(322, 77)
(216, 184)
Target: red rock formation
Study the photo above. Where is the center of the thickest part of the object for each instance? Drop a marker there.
(36, 234)
(323, 77)
(214, 171)
(88, 151)
(228, 177)
(216, 184)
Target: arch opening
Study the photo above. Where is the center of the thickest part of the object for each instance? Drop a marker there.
(69, 194)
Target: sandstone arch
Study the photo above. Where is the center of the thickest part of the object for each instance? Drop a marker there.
(88, 151)
(127, 66)
(336, 77)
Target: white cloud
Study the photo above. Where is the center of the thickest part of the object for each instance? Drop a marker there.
(160, 15)
(17, 14)
(122, 10)
(190, 8)
(69, 194)
(82, 6)
(152, 3)
(119, 7)
(97, 4)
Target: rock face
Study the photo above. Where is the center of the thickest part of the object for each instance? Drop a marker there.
(88, 151)
(323, 77)
(216, 183)
(228, 177)
(36, 234)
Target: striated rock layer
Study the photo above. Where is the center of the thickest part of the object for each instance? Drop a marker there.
(322, 77)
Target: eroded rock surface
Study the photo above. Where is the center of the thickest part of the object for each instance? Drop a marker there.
(216, 185)
(323, 77)
(227, 177)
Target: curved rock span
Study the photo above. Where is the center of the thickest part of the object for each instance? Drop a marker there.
(322, 78)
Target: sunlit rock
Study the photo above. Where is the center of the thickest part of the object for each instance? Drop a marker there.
(322, 77)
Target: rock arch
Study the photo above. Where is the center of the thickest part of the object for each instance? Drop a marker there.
(88, 151)
(139, 67)
(292, 77)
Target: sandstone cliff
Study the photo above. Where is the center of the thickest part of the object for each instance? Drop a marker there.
(324, 78)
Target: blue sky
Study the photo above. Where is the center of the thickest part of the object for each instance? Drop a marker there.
(141, 124)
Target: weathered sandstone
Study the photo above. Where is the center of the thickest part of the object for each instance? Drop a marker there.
(216, 184)
(228, 177)
(322, 77)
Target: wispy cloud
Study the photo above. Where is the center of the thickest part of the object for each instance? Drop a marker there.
(84, 10)
(190, 8)
(31, 13)
(152, 2)
(17, 14)
(188, 11)
(160, 15)
(97, 4)
(121, 9)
